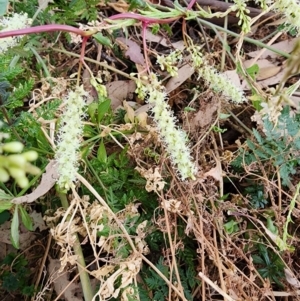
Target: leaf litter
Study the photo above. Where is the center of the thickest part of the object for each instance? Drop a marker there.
(187, 202)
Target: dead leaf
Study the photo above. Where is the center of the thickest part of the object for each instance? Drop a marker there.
(184, 72)
(120, 6)
(162, 41)
(286, 46)
(129, 112)
(71, 291)
(48, 181)
(205, 115)
(266, 68)
(133, 51)
(234, 77)
(291, 279)
(26, 237)
(216, 173)
(268, 72)
(119, 90)
(38, 221)
(142, 119)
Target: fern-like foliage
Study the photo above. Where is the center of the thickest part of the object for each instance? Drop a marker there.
(158, 288)
(74, 11)
(16, 87)
(280, 145)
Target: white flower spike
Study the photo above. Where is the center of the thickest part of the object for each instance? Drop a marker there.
(175, 139)
(69, 137)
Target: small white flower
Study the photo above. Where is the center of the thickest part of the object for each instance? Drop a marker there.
(16, 21)
(69, 137)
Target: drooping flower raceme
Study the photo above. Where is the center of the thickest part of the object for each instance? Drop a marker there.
(16, 21)
(69, 137)
(216, 81)
(291, 10)
(175, 139)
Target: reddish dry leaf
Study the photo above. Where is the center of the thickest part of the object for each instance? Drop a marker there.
(215, 172)
(119, 90)
(133, 51)
(205, 115)
(184, 72)
(164, 42)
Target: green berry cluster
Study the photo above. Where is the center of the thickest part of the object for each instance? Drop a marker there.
(15, 164)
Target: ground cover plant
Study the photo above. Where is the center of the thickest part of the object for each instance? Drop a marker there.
(149, 151)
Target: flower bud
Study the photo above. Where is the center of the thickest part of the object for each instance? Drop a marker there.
(30, 155)
(31, 169)
(4, 176)
(22, 182)
(16, 160)
(13, 147)
(16, 172)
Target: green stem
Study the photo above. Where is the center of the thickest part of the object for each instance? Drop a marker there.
(84, 276)
(104, 65)
(255, 42)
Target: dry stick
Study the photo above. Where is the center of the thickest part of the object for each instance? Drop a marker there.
(263, 50)
(42, 265)
(216, 287)
(219, 264)
(225, 44)
(104, 204)
(279, 191)
(171, 245)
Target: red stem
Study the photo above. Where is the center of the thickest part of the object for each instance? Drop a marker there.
(44, 28)
(191, 4)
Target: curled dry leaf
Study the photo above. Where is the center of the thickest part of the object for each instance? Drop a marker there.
(154, 179)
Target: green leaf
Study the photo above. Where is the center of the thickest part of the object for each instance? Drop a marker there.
(4, 216)
(26, 219)
(103, 108)
(14, 230)
(3, 7)
(92, 109)
(271, 226)
(5, 205)
(101, 153)
(253, 70)
(100, 38)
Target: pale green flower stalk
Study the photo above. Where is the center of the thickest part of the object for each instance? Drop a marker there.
(16, 21)
(215, 80)
(242, 14)
(170, 62)
(69, 137)
(174, 139)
